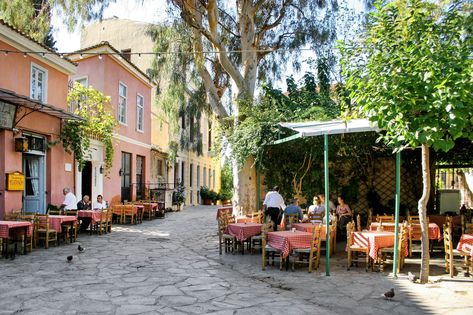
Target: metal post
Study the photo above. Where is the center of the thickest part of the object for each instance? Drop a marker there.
(396, 217)
(327, 213)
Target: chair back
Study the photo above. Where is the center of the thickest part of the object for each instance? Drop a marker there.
(447, 240)
(13, 216)
(290, 219)
(316, 237)
(358, 222)
(385, 218)
(370, 219)
(42, 221)
(70, 212)
(316, 216)
(350, 230)
(468, 228)
(54, 211)
(255, 217)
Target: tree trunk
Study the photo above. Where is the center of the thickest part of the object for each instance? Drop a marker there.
(244, 188)
(422, 207)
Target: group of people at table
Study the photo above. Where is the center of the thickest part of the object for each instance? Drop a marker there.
(300, 235)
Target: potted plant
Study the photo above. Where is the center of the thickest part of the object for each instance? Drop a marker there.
(178, 196)
(205, 196)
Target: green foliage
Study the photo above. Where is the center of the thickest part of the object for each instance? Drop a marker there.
(178, 195)
(226, 180)
(412, 72)
(33, 17)
(207, 194)
(258, 125)
(99, 123)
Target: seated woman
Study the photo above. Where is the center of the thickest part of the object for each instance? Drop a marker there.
(344, 213)
(316, 211)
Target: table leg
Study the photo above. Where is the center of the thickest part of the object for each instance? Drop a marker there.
(24, 240)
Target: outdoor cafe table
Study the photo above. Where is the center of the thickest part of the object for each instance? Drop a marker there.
(94, 215)
(56, 221)
(434, 230)
(466, 244)
(10, 227)
(309, 227)
(286, 241)
(243, 231)
(375, 240)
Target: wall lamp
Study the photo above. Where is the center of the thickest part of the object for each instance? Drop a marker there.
(101, 169)
(120, 172)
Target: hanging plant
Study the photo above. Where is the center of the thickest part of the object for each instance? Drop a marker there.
(99, 123)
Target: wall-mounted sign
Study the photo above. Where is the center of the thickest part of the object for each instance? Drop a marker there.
(7, 115)
(15, 181)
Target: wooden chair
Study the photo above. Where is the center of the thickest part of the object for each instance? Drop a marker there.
(108, 227)
(370, 219)
(256, 217)
(54, 211)
(129, 212)
(358, 222)
(30, 240)
(148, 210)
(118, 211)
(290, 219)
(316, 217)
(312, 253)
(14, 215)
(413, 220)
(450, 252)
(333, 235)
(383, 252)
(468, 228)
(100, 226)
(226, 240)
(43, 231)
(353, 248)
(267, 250)
(385, 218)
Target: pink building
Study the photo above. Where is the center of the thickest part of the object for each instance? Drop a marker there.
(33, 90)
(105, 69)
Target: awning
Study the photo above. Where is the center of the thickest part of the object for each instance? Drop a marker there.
(331, 127)
(11, 97)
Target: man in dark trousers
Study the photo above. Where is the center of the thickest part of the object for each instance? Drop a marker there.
(273, 203)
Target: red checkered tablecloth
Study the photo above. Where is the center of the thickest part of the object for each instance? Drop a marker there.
(309, 227)
(286, 241)
(434, 232)
(466, 244)
(55, 221)
(243, 231)
(94, 215)
(375, 240)
(5, 227)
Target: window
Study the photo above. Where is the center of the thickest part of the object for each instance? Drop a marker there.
(191, 171)
(213, 179)
(82, 81)
(160, 168)
(210, 176)
(183, 171)
(210, 136)
(140, 111)
(198, 176)
(122, 92)
(39, 83)
(73, 106)
(204, 173)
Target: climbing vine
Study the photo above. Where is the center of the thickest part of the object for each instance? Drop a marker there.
(98, 123)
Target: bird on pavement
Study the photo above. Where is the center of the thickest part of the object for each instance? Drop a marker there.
(69, 258)
(412, 277)
(80, 248)
(389, 295)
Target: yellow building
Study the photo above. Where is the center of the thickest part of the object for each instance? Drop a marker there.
(192, 170)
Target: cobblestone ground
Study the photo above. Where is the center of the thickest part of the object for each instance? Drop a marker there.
(172, 266)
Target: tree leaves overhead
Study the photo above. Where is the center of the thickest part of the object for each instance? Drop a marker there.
(412, 73)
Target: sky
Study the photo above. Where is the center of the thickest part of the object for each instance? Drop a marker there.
(138, 10)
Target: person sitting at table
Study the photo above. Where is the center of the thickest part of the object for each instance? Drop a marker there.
(317, 209)
(70, 201)
(344, 214)
(84, 204)
(331, 207)
(99, 204)
(293, 208)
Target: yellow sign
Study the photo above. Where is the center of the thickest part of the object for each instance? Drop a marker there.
(15, 181)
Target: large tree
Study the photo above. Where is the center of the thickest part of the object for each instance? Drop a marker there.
(251, 40)
(412, 74)
(33, 17)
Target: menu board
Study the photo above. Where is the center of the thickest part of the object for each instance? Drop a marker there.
(7, 115)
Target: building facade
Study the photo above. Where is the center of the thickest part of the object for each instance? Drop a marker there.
(102, 67)
(189, 168)
(33, 107)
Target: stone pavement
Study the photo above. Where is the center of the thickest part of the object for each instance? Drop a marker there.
(172, 266)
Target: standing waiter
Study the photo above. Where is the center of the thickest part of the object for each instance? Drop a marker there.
(273, 202)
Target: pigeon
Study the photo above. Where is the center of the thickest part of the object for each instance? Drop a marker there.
(389, 295)
(80, 248)
(69, 258)
(412, 277)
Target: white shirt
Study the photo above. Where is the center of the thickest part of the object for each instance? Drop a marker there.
(274, 200)
(98, 205)
(70, 201)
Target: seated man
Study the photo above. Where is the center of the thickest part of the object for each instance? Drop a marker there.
(84, 204)
(293, 208)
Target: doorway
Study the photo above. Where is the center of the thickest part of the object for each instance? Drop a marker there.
(86, 185)
(139, 176)
(126, 177)
(34, 193)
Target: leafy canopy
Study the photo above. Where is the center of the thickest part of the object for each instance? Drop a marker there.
(99, 123)
(412, 72)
